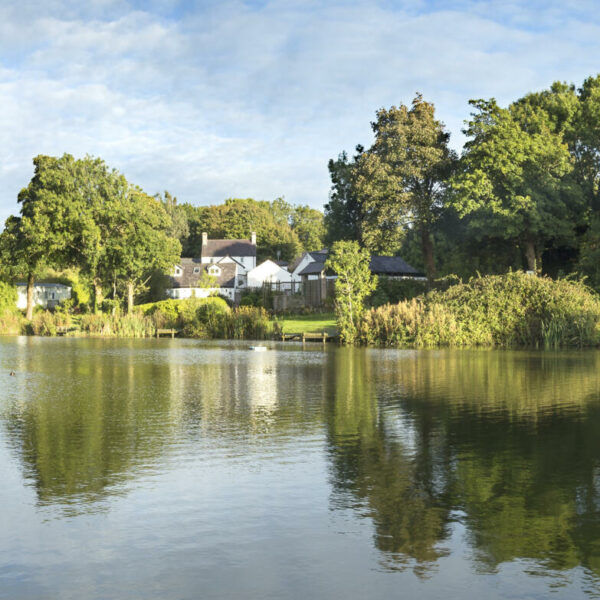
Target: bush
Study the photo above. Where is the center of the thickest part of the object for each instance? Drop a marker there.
(245, 322)
(252, 297)
(503, 310)
(392, 291)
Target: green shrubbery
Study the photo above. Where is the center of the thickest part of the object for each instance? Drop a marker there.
(10, 317)
(504, 310)
(391, 291)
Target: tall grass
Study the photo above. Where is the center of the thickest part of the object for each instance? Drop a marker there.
(515, 309)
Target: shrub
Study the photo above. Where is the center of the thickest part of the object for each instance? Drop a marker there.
(501, 310)
(253, 297)
(392, 291)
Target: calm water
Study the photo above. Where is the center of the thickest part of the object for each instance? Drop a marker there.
(176, 469)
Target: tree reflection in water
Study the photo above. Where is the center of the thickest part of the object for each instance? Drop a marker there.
(505, 442)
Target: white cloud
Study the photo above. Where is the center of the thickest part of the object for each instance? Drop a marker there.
(230, 99)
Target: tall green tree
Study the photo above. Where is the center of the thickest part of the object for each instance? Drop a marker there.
(140, 243)
(343, 211)
(401, 180)
(512, 179)
(353, 285)
(43, 234)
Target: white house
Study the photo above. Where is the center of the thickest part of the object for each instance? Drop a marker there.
(47, 295)
(243, 252)
(270, 272)
(228, 261)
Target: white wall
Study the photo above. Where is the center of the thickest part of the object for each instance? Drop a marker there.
(42, 295)
(269, 271)
(306, 260)
(181, 293)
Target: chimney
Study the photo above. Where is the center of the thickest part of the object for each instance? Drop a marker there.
(253, 238)
(204, 238)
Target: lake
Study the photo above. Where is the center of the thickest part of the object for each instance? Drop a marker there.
(176, 469)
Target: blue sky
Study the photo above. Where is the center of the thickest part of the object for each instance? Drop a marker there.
(228, 98)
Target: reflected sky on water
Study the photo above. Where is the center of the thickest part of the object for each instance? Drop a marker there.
(185, 469)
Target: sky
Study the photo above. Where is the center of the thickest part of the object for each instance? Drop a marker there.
(232, 98)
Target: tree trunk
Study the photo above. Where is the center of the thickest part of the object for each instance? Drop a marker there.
(30, 283)
(97, 294)
(530, 255)
(538, 259)
(428, 257)
(129, 296)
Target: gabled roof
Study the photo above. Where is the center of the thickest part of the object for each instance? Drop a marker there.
(237, 262)
(227, 276)
(229, 247)
(313, 268)
(391, 265)
(190, 279)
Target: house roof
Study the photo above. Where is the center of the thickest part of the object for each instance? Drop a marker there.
(229, 247)
(227, 277)
(313, 268)
(42, 284)
(391, 265)
(190, 279)
(379, 265)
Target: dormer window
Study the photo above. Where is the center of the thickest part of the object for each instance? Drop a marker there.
(196, 270)
(178, 272)
(214, 270)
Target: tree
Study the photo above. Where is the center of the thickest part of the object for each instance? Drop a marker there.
(401, 180)
(307, 224)
(179, 228)
(353, 285)
(140, 243)
(511, 179)
(237, 218)
(43, 234)
(343, 211)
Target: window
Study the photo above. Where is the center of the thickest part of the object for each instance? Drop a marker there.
(196, 270)
(178, 272)
(214, 270)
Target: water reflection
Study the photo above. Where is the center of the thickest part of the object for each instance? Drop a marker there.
(504, 445)
(401, 483)
(505, 442)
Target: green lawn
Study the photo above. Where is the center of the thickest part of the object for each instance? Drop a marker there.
(308, 323)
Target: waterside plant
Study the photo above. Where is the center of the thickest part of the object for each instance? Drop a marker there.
(515, 309)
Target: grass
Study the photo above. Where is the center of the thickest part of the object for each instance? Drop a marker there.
(312, 323)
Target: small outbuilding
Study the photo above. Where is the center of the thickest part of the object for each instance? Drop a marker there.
(46, 295)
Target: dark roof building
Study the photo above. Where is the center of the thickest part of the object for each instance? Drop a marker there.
(392, 266)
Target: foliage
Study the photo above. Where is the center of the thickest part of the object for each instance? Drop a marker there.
(252, 297)
(512, 178)
(343, 213)
(589, 259)
(308, 224)
(391, 291)
(502, 310)
(353, 285)
(401, 180)
(46, 322)
(117, 325)
(245, 323)
(237, 218)
(8, 297)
